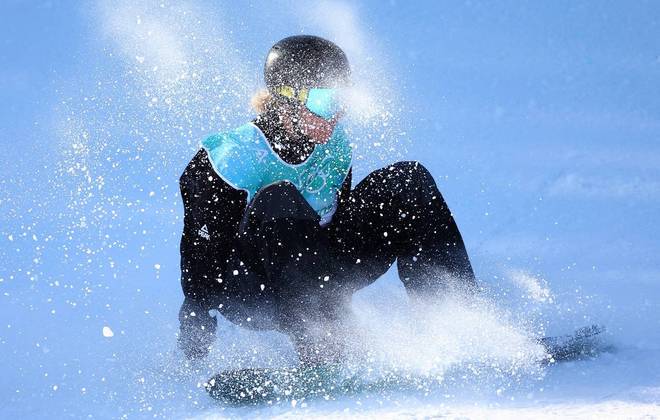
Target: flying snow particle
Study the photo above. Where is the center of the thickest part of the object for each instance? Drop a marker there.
(157, 266)
(107, 332)
(535, 288)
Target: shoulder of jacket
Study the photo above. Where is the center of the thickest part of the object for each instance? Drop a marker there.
(199, 166)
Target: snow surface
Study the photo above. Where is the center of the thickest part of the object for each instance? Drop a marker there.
(540, 123)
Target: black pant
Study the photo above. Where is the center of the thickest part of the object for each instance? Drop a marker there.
(287, 272)
(300, 274)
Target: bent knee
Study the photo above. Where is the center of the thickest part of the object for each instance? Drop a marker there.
(280, 200)
(276, 195)
(272, 191)
(409, 170)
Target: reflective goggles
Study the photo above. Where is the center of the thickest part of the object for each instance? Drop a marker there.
(323, 102)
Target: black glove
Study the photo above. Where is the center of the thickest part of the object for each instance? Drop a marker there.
(197, 329)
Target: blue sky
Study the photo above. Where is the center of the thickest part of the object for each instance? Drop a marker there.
(540, 121)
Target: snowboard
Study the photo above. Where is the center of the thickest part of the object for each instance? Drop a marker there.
(260, 385)
(584, 342)
(254, 386)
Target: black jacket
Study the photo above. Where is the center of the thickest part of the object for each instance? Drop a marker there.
(212, 213)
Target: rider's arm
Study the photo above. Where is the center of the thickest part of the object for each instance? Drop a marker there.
(212, 210)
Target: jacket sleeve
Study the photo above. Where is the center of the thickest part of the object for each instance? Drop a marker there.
(212, 212)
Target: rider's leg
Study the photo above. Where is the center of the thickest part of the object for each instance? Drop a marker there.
(398, 213)
(281, 233)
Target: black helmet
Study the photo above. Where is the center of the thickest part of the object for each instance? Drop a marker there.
(306, 61)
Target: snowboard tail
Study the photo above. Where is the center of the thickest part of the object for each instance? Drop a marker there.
(585, 342)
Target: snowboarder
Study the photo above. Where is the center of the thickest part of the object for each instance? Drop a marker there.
(275, 237)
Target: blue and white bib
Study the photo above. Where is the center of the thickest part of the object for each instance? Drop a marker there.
(245, 160)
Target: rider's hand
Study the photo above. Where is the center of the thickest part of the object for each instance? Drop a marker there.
(197, 330)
